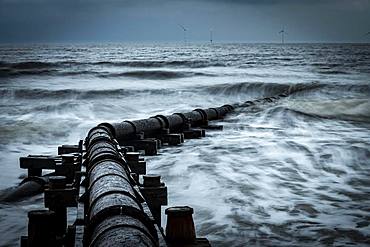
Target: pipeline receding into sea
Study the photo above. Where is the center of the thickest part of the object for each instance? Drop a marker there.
(100, 178)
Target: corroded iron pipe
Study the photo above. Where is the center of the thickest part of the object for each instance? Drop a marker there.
(129, 129)
(29, 186)
(114, 213)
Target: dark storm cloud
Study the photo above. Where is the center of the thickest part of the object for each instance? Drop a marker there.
(157, 20)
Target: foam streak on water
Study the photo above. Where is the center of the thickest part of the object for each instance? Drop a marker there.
(295, 172)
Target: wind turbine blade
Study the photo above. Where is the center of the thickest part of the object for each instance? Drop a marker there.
(183, 28)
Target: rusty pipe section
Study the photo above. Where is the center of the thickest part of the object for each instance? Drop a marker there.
(28, 187)
(176, 122)
(114, 211)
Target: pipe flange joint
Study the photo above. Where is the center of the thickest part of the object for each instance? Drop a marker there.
(203, 113)
(133, 126)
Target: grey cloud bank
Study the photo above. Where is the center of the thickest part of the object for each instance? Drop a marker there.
(24, 21)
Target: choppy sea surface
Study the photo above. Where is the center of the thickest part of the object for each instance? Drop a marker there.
(292, 173)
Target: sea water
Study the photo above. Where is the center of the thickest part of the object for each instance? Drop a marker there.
(291, 173)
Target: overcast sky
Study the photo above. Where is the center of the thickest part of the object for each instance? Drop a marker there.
(158, 20)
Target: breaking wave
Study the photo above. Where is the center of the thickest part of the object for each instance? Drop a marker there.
(89, 69)
(74, 94)
(155, 74)
(258, 88)
(159, 64)
(27, 65)
(354, 110)
(344, 109)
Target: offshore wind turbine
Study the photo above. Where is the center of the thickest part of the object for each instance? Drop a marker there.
(364, 37)
(282, 32)
(184, 30)
(211, 35)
